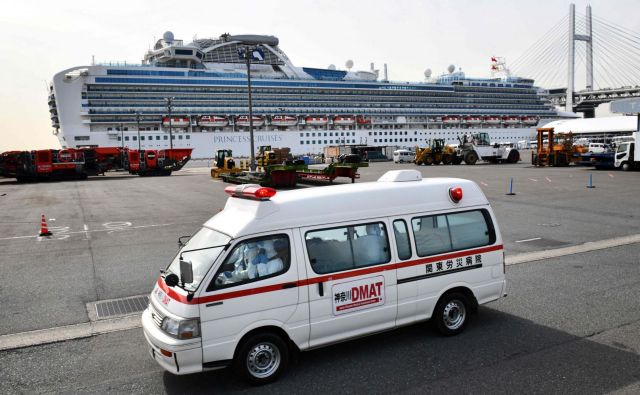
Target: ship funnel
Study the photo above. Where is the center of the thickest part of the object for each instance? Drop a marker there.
(386, 76)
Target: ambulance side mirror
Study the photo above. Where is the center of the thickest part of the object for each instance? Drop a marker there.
(171, 280)
(186, 272)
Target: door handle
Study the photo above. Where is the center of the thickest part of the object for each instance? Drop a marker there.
(321, 289)
(214, 304)
(289, 285)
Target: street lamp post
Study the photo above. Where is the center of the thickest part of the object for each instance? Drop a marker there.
(138, 123)
(169, 101)
(122, 139)
(248, 53)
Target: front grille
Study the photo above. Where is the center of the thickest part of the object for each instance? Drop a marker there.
(156, 315)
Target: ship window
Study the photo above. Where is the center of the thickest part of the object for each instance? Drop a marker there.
(155, 128)
(188, 137)
(308, 142)
(301, 134)
(180, 137)
(166, 137)
(135, 138)
(325, 141)
(142, 138)
(301, 142)
(157, 137)
(126, 138)
(330, 141)
(108, 129)
(173, 137)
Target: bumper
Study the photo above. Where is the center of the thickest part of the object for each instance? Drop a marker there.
(186, 356)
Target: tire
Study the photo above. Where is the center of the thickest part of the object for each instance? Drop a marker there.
(457, 160)
(261, 358)
(428, 160)
(471, 158)
(452, 313)
(625, 166)
(513, 157)
(447, 159)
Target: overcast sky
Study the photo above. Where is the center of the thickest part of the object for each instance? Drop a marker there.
(40, 38)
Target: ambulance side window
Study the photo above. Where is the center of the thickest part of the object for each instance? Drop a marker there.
(344, 248)
(436, 234)
(253, 260)
(402, 239)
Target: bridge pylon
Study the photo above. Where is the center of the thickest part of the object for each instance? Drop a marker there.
(573, 37)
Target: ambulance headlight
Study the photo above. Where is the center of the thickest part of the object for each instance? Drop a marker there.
(181, 329)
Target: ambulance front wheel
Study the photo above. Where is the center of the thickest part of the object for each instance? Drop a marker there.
(452, 314)
(262, 358)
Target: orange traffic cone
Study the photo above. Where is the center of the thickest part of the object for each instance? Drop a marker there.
(43, 227)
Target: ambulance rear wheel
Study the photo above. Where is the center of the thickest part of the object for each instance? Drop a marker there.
(452, 313)
(262, 358)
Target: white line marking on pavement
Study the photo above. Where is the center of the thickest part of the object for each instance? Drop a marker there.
(558, 252)
(524, 241)
(533, 179)
(83, 231)
(548, 179)
(484, 183)
(86, 232)
(611, 175)
(88, 329)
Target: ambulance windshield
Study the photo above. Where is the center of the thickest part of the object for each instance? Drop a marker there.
(201, 250)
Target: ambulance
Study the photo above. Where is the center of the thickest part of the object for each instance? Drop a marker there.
(277, 273)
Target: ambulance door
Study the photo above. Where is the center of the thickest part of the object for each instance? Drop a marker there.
(406, 270)
(255, 285)
(351, 280)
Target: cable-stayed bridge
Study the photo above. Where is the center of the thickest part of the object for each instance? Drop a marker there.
(608, 62)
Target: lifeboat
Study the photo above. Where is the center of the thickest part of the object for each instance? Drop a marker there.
(176, 122)
(316, 120)
(343, 120)
(473, 120)
(213, 121)
(362, 120)
(450, 120)
(530, 120)
(492, 120)
(243, 120)
(284, 120)
(511, 120)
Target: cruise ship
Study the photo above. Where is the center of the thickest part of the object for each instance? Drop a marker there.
(195, 96)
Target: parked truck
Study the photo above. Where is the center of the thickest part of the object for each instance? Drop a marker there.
(627, 154)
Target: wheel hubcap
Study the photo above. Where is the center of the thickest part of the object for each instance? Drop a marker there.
(454, 314)
(263, 360)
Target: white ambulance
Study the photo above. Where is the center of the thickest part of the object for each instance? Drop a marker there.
(274, 273)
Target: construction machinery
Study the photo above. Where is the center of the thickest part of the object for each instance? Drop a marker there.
(156, 162)
(437, 152)
(555, 149)
(225, 164)
(475, 147)
(79, 163)
(272, 156)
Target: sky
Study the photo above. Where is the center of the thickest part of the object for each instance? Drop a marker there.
(41, 38)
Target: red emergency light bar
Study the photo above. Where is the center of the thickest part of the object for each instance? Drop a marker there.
(455, 194)
(250, 191)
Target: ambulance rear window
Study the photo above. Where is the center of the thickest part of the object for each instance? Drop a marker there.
(437, 234)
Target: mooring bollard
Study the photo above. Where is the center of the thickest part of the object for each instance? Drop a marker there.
(511, 188)
(591, 181)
